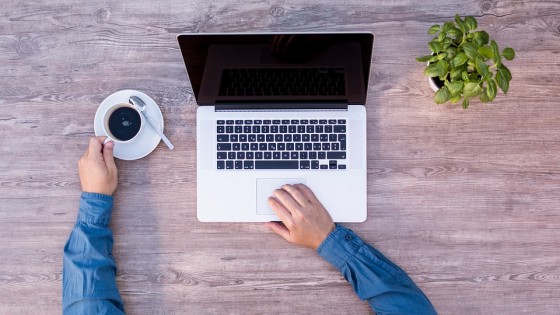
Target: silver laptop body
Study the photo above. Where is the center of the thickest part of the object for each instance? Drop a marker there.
(275, 109)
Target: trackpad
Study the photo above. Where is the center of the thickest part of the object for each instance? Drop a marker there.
(265, 187)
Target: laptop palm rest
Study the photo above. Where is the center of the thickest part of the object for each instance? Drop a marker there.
(265, 187)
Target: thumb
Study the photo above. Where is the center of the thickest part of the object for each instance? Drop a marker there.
(108, 155)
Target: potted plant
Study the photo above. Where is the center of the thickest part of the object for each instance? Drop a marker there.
(465, 63)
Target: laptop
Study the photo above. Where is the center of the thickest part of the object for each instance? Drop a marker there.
(279, 109)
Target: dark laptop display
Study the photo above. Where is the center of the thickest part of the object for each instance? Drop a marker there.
(282, 69)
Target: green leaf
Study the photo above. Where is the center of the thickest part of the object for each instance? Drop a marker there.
(424, 58)
(455, 87)
(447, 26)
(486, 51)
(481, 67)
(492, 89)
(461, 24)
(441, 36)
(465, 75)
(503, 83)
(441, 56)
(431, 70)
(508, 53)
(443, 67)
(455, 32)
(433, 59)
(442, 95)
(433, 29)
(470, 50)
(455, 98)
(484, 96)
(495, 50)
(459, 59)
(471, 22)
(482, 37)
(435, 47)
(456, 73)
(472, 89)
(451, 51)
(505, 72)
(465, 103)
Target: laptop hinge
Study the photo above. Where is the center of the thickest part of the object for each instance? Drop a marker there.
(221, 106)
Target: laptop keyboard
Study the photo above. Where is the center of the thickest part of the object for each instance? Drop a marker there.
(281, 144)
(282, 82)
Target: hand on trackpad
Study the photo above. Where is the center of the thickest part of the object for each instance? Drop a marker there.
(265, 187)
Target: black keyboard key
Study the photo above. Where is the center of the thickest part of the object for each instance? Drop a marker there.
(223, 138)
(247, 129)
(276, 121)
(303, 155)
(341, 166)
(272, 147)
(339, 128)
(315, 165)
(312, 155)
(316, 146)
(220, 122)
(224, 146)
(242, 138)
(299, 146)
(294, 122)
(310, 129)
(274, 129)
(276, 165)
(314, 137)
(328, 128)
(336, 155)
(342, 121)
(238, 129)
(322, 155)
(240, 155)
(294, 155)
(332, 121)
(319, 129)
(229, 122)
(290, 146)
(278, 138)
(231, 155)
(229, 129)
(313, 121)
(324, 167)
(252, 138)
(236, 146)
(276, 155)
(260, 138)
(342, 145)
(229, 165)
(249, 155)
(220, 129)
(326, 146)
(322, 121)
(256, 129)
(222, 155)
(267, 155)
(332, 137)
(341, 137)
(304, 165)
(304, 121)
(305, 138)
(245, 146)
(287, 138)
(332, 164)
(266, 122)
(258, 155)
(221, 165)
(248, 165)
(301, 129)
(283, 129)
(262, 146)
(308, 146)
(324, 137)
(334, 146)
(239, 122)
(265, 129)
(285, 155)
(257, 122)
(248, 122)
(285, 122)
(269, 138)
(233, 138)
(281, 146)
(296, 138)
(254, 146)
(292, 129)
(238, 165)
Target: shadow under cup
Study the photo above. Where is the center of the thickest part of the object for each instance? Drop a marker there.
(122, 122)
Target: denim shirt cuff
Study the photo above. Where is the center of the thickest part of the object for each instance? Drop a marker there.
(339, 246)
(95, 208)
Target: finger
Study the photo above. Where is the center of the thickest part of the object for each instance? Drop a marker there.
(279, 229)
(95, 147)
(281, 211)
(286, 199)
(296, 194)
(108, 155)
(308, 193)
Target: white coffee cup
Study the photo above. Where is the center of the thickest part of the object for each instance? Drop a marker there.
(122, 123)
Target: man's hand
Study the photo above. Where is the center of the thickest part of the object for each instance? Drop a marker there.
(306, 221)
(98, 172)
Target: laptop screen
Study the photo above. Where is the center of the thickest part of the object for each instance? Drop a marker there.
(286, 68)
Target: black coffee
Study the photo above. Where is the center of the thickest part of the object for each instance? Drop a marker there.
(124, 123)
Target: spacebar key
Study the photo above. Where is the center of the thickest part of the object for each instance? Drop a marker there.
(273, 165)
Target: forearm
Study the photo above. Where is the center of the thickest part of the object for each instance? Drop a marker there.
(375, 278)
(89, 270)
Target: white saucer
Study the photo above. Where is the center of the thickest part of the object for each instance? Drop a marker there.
(146, 141)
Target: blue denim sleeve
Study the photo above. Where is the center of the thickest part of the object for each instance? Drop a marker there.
(88, 273)
(385, 286)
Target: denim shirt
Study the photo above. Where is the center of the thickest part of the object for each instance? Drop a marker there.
(89, 284)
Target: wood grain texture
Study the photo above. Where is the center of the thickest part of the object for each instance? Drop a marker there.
(466, 201)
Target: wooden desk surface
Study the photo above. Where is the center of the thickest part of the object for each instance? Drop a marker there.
(466, 201)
